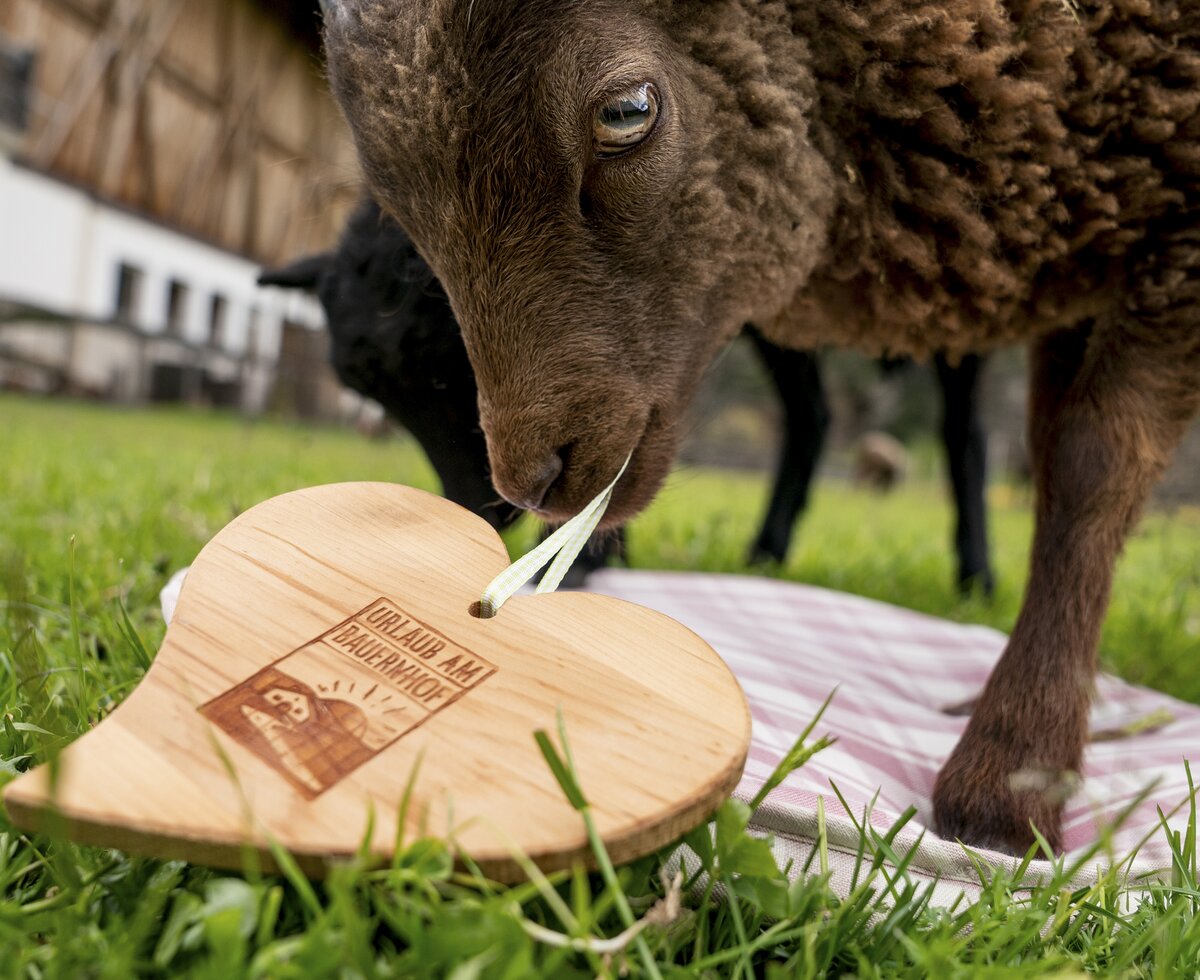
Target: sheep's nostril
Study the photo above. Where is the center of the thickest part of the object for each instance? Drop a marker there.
(540, 482)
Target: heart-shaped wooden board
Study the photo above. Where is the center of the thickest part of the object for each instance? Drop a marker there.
(323, 645)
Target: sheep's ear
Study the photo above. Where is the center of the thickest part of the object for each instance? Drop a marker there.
(302, 274)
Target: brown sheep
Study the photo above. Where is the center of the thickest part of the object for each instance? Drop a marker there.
(609, 190)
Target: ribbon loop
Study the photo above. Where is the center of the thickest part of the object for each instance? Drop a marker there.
(563, 546)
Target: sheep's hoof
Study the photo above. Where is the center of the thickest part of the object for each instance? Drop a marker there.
(985, 801)
(766, 555)
(972, 582)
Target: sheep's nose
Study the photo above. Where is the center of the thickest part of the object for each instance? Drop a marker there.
(536, 483)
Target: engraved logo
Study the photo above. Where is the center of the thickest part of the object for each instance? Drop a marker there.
(327, 707)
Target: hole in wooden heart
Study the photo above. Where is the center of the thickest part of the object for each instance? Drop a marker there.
(476, 610)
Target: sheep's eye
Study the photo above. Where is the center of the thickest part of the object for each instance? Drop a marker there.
(625, 120)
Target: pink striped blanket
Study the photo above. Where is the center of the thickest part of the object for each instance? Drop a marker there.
(894, 672)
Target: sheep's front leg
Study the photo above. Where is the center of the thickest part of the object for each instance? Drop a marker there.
(1109, 404)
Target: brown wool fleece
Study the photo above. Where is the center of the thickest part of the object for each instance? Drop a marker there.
(988, 163)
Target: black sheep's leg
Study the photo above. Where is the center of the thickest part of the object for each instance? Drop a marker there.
(966, 456)
(796, 375)
(447, 429)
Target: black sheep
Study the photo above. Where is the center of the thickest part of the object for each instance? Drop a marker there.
(395, 340)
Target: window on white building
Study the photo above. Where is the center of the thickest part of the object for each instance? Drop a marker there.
(177, 293)
(129, 291)
(254, 334)
(218, 310)
(16, 88)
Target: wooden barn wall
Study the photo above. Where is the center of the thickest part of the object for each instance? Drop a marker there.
(205, 114)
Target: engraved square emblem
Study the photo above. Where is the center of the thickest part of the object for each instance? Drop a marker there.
(321, 711)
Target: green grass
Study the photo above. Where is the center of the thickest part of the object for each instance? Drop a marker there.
(98, 506)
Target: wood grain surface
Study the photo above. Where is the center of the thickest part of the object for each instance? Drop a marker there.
(323, 645)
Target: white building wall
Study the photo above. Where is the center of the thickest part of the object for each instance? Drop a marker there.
(41, 240)
(60, 250)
